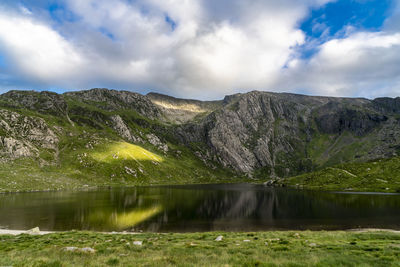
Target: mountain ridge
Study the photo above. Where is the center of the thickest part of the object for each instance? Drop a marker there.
(262, 135)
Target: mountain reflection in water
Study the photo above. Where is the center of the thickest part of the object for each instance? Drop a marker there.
(198, 208)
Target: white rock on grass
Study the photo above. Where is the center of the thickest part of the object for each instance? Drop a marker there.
(219, 238)
(246, 240)
(70, 248)
(33, 231)
(138, 243)
(88, 250)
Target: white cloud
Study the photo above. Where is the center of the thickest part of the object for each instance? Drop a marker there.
(37, 51)
(362, 64)
(217, 48)
(211, 52)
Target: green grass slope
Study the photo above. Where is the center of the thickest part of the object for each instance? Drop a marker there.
(380, 175)
(106, 162)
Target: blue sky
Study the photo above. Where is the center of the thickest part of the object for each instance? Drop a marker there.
(330, 20)
(364, 15)
(202, 48)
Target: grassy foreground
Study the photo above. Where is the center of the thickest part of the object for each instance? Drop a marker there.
(334, 248)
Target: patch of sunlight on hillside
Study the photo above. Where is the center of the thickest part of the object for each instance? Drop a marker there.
(126, 219)
(124, 151)
(184, 107)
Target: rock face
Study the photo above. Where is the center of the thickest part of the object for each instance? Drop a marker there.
(13, 148)
(386, 104)
(23, 135)
(257, 133)
(44, 102)
(273, 132)
(155, 141)
(336, 118)
(251, 130)
(122, 129)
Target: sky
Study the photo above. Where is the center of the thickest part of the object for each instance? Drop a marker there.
(202, 49)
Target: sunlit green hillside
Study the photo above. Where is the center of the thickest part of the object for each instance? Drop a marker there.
(380, 175)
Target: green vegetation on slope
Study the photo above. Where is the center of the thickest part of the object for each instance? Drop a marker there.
(91, 153)
(107, 163)
(124, 151)
(201, 249)
(332, 149)
(380, 175)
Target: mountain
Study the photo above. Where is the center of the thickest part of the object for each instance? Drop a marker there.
(272, 134)
(108, 137)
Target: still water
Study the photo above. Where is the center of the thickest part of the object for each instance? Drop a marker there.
(198, 208)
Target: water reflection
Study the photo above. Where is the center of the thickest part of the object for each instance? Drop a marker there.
(198, 208)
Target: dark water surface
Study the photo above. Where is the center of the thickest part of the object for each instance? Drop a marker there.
(198, 208)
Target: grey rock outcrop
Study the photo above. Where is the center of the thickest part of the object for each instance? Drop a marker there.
(123, 130)
(250, 131)
(12, 148)
(44, 102)
(23, 135)
(155, 141)
(387, 104)
(336, 118)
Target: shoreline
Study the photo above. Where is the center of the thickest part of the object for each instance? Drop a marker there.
(30, 232)
(39, 232)
(87, 188)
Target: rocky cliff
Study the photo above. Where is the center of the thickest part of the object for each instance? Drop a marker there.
(286, 134)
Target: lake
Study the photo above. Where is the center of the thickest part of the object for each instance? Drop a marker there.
(238, 207)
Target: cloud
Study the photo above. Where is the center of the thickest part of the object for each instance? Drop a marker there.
(393, 22)
(36, 51)
(360, 64)
(25, 10)
(210, 53)
(202, 52)
(214, 48)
